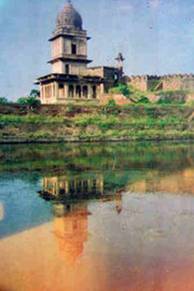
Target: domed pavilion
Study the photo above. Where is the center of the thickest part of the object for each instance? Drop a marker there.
(71, 80)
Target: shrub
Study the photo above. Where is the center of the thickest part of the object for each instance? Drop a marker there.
(133, 94)
(3, 100)
(35, 93)
(70, 108)
(111, 107)
(30, 101)
(143, 100)
(122, 89)
(172, 97)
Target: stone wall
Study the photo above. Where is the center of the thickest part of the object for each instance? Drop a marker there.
(166, 82)
(118, 98)
(178, 82)
(174, 82)
(110, 75)
(139, 82)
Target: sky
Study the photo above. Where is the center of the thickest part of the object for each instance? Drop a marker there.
(155, 37)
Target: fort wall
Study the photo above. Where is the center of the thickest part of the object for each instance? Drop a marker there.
(166, 82)
(139, 82)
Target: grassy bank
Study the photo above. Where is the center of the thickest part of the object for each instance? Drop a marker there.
(151, 122)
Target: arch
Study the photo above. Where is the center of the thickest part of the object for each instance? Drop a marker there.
(78, 91)
(85, 91)
(67, 69)
(94, 92)
(61, 90)
(71, 91)
(116, 77)
(73, 49)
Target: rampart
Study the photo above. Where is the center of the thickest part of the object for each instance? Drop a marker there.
(165, 82)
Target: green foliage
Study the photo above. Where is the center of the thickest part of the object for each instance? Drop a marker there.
(125, 90)
(138, 122)
(31, 118)
(70, 108)
(134, 95)
(172, 97)
(154, 85)
(30, 101)
(143, 100)
(111, 107)
(35, 93)
(3, 100)
(102, 121)
(122, 89)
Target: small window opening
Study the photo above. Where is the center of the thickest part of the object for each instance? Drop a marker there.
(66, 69)
(73, 49)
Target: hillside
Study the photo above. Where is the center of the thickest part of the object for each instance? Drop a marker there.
(108, 123)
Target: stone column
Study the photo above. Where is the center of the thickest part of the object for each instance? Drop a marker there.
(66, 91)
(82, 95)
(41, 93)
(74, 91)
(99, 91)
(66, 187)
(53, 91)
(56, 91)
(90, 92)
(101, 185)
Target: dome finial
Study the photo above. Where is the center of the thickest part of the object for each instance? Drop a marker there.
(69, 17)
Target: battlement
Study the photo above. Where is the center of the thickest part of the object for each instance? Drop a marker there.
(173, 76)
(164, 82)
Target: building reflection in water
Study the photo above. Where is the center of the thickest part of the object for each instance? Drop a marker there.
(64, 186)
(71, 229)
(178, 182)
(71, 219)
(1, 211)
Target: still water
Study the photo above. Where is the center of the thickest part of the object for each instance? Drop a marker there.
(97, 217)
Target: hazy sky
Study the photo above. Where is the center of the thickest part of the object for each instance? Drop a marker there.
(155, 37)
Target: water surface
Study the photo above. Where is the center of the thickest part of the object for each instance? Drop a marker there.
(97, 217)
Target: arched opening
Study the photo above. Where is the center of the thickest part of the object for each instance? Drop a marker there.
(85, 91)
(71, 91)
(116, 77)
(94, 92)
(67, 69)
(73, 49)
(61, 90)
(78, 91)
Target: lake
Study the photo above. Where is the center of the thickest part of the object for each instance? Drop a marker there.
(97, 217)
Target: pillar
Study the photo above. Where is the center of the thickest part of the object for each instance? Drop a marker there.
(66, 91)
(82, 95)
(66, 187)
(90, 92)
(56, 91)
(101, 184)
(53, 91)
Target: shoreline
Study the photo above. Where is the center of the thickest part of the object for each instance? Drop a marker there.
(87, 140)
(168, 123)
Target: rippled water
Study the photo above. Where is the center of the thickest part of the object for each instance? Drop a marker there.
(97, 217)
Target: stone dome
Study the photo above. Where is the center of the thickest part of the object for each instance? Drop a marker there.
(69, 18)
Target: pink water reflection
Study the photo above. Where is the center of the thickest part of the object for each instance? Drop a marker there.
(147, 245)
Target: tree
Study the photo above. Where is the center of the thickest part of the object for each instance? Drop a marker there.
(143, 100)
(125, 90)
(111, 107)
(35, 93)
(3, 100)
(32, 100)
